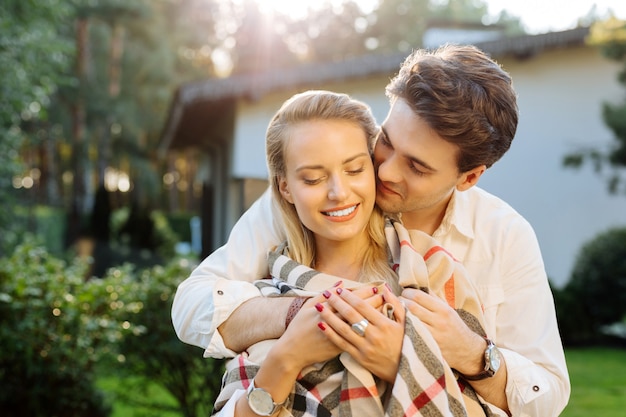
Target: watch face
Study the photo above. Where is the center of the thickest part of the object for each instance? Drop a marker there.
(261, 402)
(494, 359)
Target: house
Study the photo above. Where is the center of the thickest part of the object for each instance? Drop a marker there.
(561, 83)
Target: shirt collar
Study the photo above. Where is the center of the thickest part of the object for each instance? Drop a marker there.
(456, 216)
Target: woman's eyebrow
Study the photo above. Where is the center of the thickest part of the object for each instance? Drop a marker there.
(345, 161)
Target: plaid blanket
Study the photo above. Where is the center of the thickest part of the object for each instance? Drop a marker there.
(424, 386)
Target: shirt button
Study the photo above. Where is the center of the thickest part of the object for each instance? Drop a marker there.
(220, 292)
(535, 388)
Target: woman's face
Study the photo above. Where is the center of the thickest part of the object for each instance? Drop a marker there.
(330, 178)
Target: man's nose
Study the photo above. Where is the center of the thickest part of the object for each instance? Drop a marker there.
(387, 169)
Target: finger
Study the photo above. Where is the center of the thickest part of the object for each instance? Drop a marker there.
(428, 301)
(337, 338)
(399, 312)
(413, 306)
(367, 291)
(341, 329)
(354, 309)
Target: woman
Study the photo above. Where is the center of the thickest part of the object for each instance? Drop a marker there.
(319, 147)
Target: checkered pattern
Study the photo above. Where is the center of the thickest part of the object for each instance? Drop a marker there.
(425, 384)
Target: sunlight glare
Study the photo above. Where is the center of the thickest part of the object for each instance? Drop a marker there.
(299, 9)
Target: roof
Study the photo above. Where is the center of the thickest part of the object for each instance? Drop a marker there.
(255, 86)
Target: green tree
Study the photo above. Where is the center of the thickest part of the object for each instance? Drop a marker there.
(397, 25)
(130, 56)
(33, 57)
(471, 11)
(610, 37)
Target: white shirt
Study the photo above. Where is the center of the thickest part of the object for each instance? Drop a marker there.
(497, 246)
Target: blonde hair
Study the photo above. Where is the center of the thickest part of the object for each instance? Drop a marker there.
(322, 105)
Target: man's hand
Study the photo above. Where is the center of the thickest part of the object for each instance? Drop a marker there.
(461, 347)
(303, 339)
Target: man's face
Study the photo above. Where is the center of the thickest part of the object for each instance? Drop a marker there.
(416, 169)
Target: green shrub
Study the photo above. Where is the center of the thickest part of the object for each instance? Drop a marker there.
(58, 331)
(158, 355)
(49, 337)
(595, 296)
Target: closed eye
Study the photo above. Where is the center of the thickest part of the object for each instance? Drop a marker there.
(355, 171)
(415, 170)
(311, 181)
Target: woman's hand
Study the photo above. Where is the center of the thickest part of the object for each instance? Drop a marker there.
(379, 348)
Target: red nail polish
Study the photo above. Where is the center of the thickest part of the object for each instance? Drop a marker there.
(339, 290)
(338, 283)
(375, 290)
(326, 294)
(319, 307)
(321, 325)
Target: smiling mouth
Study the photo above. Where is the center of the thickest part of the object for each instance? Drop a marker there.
(341, 213)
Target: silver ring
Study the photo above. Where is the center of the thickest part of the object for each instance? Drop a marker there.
(360, 327)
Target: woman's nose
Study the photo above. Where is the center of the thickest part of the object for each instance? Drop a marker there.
(338, 190)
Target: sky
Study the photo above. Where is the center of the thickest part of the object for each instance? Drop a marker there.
(541, 16)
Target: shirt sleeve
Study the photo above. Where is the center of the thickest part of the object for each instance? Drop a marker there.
(229, 408)
(527, 331)
(223, 280)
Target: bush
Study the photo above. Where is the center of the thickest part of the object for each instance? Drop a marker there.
(49, 338)
(595, 296)
(57, 330)
(158, 355)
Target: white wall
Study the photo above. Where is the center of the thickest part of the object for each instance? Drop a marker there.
(560, 99)
(560, 95)
(253, 117)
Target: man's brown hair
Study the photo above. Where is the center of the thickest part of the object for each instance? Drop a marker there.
(464, 96)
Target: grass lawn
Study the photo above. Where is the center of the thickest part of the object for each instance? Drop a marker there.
(147, 399)
(598, 377)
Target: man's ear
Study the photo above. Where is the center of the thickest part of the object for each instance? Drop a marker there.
(469, 179)
(283, 187)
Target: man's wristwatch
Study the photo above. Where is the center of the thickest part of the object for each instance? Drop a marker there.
(493, 358)
(260, 401)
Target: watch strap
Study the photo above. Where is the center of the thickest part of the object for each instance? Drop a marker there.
(479, 376)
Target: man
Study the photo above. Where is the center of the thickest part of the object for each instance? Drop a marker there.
(453, 114)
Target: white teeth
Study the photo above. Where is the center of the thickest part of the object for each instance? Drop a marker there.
(340, 213)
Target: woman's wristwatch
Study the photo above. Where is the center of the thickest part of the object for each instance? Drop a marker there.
(260, 401)
(493, 359)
